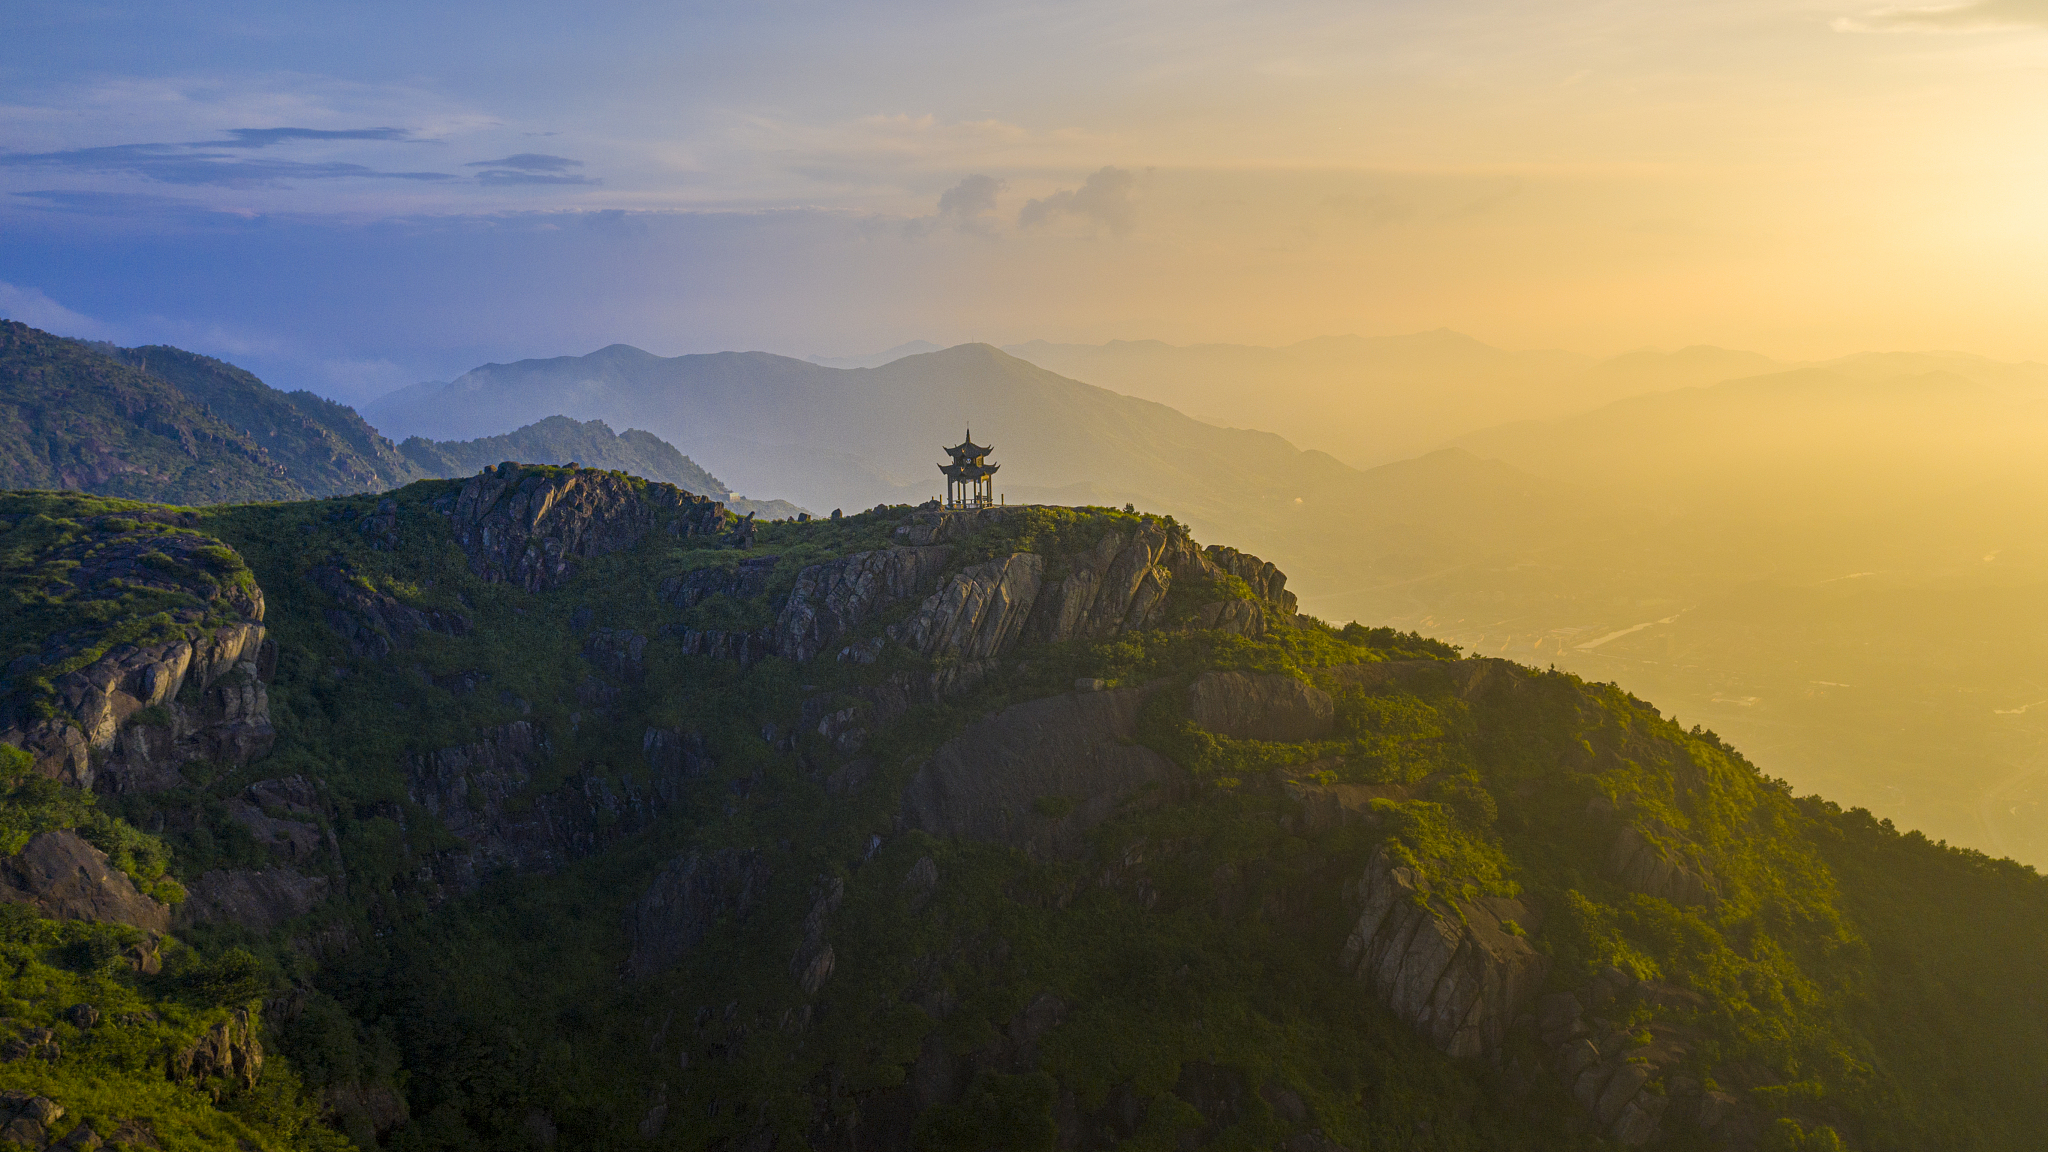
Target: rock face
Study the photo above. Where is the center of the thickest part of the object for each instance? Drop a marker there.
(527, 526)
(743, 581)
(469, 788)
(1447, 966)
(619, 653)
(1607, 1065)
(1261, 706)
(261, 900)
(228, 1051)
(689, 896)
(1263, 577)
(834, 598)
(1118, 585)
(69, 879)
(978, 614)
(374, 623)
(103, 696)
(228, 722)
(1038, 775)
(1658, 863)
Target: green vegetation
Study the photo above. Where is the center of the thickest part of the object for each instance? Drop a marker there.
(1855, 987)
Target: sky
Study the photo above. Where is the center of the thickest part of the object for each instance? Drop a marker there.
(352, 198)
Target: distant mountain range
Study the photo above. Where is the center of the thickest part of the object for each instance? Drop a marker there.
(161, 423)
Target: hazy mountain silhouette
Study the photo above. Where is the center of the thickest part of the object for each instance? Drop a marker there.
(1369, 400)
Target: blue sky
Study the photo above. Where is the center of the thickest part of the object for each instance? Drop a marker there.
(355, 197)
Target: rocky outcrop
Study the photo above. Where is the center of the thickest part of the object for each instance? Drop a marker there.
(226, 722)
(1659, 862)
(528, 525)
(1118, 585)
(260, 900)
(812, 965)
(228, 1051)
(683, 903)
(1038, 775)
(618, 652)
(978, 614)
(66, 878)
(833, 598)
(471, 787)
(373, 623)
(1243, 617)
(1609, 1067)
(1450, 967)
(1265, 580)
(1261, 706)
(742, 581)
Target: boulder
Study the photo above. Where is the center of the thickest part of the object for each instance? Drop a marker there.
(297, 841)
(260, 900)
(1261, 706)
(689, 896)
(69, 879)
(1445, 965)
(1264, 579)
(1660, 863)
(527, 526)
(1038, 775)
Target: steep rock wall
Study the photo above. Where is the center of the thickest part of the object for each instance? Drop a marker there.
(527, 526)
(1447, 966)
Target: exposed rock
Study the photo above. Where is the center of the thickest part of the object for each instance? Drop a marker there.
(978, 614)
(1038, 775)
(288, 793)
(1658, 863)
(742, 581)
(377, 1107)
(1243, 617)
(1261, 706)
(1320, 807)
(745, 647)
(260, 900)
(94, 702)
(1118, 585)
(1606, 1068)
(526, 526)
(619, 653)
(813, 962)
(297, 841)
(376, 624)
(227, 723)
(229, 1050)
(675, 753)
(1268, 581)
(1444, 965)
(679, 908)
(69, 879)
(834, 598)
(469, 788)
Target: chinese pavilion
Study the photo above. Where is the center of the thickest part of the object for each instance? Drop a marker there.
(968, 477)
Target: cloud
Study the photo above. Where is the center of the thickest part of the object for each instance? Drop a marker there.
(498, 176)
(1976, 16)
(529, 162)
(1104, 199)
(265, 137)
(31, 307)
(968, 206)
(191, 164)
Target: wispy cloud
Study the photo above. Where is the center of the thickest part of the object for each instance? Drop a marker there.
(1105, 198)
(201, 163)
(265, 137)
(529, 162)
(1976, 16)
(495, 176)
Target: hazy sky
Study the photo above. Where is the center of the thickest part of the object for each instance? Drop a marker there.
(354, 197)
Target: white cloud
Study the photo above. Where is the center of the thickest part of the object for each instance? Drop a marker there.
(1105, 199)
